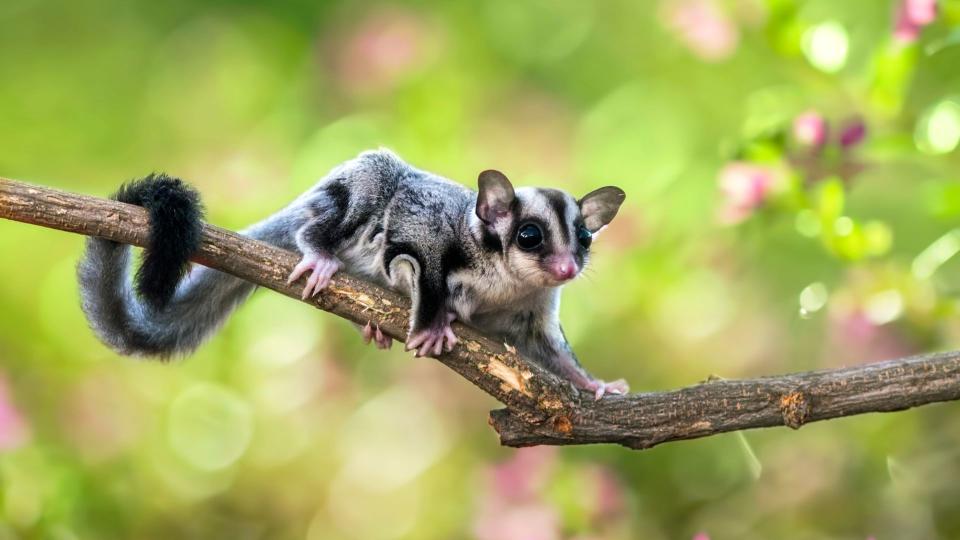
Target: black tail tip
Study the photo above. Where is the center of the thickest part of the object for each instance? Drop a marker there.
(176, 221)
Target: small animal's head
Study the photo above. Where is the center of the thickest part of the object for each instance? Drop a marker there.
(543, 234)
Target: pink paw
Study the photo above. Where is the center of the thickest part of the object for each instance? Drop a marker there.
(600, 388)
(322, 267)
(373, 333)
(434, 339)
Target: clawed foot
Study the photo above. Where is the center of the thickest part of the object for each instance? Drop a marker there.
(373, 333)
(434, 339)
(322, 267)
(599, 388)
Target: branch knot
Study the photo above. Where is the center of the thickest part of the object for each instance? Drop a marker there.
(795, 408)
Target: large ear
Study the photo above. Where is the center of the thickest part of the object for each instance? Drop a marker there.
(599, 207)
(496, 196)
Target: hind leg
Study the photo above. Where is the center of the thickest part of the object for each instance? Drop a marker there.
(430, 331)
(433, 338)
(373, 334)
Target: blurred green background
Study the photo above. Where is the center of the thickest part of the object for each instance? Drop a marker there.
(793, 203)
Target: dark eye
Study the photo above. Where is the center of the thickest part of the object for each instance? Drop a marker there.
(529, 236)
(584, 236)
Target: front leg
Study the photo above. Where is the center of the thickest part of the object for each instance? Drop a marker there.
(539, 337)
(562, 361)
(321, 265)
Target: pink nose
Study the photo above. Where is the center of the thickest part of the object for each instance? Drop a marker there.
(563, 268)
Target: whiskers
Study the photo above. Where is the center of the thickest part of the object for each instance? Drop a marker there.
(587, 274)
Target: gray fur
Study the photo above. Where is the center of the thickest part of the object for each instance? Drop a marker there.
(200, 306)
(449, 248)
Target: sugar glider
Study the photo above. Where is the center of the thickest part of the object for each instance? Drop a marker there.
(495, 259)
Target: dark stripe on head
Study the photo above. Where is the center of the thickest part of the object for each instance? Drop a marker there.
(559, 203)
(490, 241)
(516, 210)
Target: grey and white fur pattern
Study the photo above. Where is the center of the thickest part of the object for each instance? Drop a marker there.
(494, 259)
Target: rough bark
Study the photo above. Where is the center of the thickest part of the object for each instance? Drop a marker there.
(541, 408)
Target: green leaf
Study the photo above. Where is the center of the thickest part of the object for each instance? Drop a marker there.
(878, 237)
(950, 40)
(847, 240)
(893, 67)
(943, 200)
(830, 200)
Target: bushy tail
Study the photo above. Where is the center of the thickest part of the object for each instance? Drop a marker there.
(164, 314)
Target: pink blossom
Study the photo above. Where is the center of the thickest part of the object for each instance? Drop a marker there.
(853, 133)
(14, 431)
(384, 47)
(810, 129)
(523, 522)
(522, 476)
(904, 30)
(512, 506)
(921, 12)
(98, 417)
(744, 187)
(854, 338)
(702, 26)
(911, 17)
(701, 536)
(608, 494)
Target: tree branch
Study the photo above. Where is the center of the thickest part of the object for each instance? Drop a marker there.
(541, 408)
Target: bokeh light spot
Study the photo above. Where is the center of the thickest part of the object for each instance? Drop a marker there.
(209, 426)
(879, 238)
(826, 46)
(391, 440)
(277, 335)
(697, 307)
(843, 226)
(812, 299)
(884, 307)
(938, 130)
